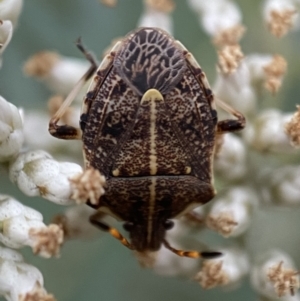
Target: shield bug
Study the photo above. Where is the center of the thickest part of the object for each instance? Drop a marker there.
(149, 125)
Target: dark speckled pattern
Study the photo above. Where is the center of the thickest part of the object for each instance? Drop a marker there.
(116, 134)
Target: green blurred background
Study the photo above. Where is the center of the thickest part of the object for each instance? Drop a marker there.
(103, 269)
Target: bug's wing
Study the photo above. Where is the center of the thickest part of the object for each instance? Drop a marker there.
(193, 117)
(109, 119)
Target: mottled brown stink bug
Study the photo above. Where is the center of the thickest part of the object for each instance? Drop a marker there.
(149, 125)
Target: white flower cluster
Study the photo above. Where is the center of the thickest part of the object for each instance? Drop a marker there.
(19, 224)
(59, 73)
(216, 16)
(231, 213)
(37, 174)
(19, 280)
(281, 16)
(6, 30)
(228, 270)
(9, 13)
(11, 130)
(238, 82)
(267, 132)
(274, 275)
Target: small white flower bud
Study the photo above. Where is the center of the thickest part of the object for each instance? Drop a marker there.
(18, 280)
(230, 215)
(216, 16)
(59, 73)
(256, 64)
(267, 133)
(155, 18)
(9, 254)
(282, 186)
(37, 173)
(226, 270)
(11, 130)
(230, 161)
(198, 5)
(6, 31)
(236, 90)
(274, 275)
(21, 225)
(267, 69)
(10, 10)
(15, 231)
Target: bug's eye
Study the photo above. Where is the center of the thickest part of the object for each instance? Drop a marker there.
(168, 224)
(128, 226)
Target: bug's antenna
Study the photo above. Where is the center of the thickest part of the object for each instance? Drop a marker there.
(113, 231)
(192, 254)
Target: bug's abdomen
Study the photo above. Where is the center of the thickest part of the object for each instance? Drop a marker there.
(161, 196)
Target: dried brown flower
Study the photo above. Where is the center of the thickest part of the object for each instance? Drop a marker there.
(223, 223)
(274, 72)
(285, 281)
(88, 186)
(229, 58)
(280, 22)
(211, 274)
(37, 294)
(292, 128)
(165, 6)
(273, 84)
(109, 3)
(47, 240)
(277, 67)
(229, 36)
(40, 64)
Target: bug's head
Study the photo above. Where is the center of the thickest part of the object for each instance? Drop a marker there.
(148, 235)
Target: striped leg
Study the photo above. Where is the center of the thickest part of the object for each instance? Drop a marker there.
(94, 219)
(67, 131)
(192, 254)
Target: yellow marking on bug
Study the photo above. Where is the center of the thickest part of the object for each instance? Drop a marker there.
(151, 96)
(116, 172)
(188, 170)
(151, 208)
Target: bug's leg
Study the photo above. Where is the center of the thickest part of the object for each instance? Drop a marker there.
(194, 217)
(66, 131)
(192, 254)
(230, 125)
(94, 219)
